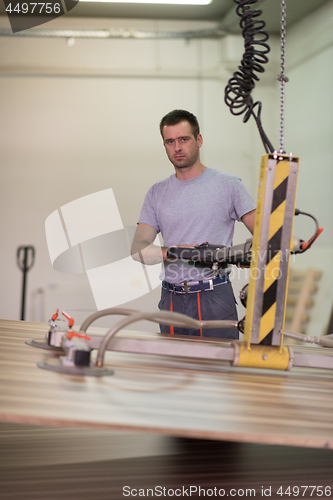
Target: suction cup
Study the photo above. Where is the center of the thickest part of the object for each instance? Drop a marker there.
(42, 344)
(56, 366)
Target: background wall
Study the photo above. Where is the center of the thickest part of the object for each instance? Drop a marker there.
(309, 127)
(79, 119)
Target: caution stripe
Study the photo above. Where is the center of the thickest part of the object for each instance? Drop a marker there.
(272, 269)
(269, 297)
(265, 333)
(274, 245)
(277, 218)
(279, 194)
(281, 173)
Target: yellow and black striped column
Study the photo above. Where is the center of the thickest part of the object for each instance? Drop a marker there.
(271, 244)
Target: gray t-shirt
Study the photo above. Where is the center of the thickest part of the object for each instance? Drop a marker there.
(202, 209)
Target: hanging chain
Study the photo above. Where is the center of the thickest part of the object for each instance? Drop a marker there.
(282, 77)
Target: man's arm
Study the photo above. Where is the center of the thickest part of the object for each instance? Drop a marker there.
(248, 220)
(143, 249)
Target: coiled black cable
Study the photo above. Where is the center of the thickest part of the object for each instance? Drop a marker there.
(238, 91)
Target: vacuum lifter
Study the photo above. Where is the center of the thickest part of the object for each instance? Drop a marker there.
(268, 255)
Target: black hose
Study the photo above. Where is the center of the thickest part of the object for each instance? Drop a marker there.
(238, 91)
(315, 235)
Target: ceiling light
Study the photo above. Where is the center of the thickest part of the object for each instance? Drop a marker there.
(174, 2)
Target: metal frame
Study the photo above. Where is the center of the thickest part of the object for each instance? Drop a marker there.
(260, 356)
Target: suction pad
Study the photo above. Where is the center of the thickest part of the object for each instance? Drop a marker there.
(56, 366)
(42, 344)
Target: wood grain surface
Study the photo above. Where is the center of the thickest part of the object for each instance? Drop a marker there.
(166, 396)
(180, 465)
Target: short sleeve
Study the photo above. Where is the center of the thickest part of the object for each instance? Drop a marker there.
(148, 212)
(241, 200)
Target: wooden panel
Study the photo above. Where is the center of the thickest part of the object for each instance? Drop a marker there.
(240, 470)
(175, 397)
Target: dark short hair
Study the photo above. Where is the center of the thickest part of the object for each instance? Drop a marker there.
(180, 115)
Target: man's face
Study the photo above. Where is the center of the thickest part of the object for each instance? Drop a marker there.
(180, 144)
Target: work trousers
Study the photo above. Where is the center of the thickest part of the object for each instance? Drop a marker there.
(218, 303)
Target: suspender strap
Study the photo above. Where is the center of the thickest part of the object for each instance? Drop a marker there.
(199, 311)
(171, 309)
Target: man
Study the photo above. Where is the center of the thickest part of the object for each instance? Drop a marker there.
(196, 204)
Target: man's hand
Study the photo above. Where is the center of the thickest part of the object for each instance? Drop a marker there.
(143, 249)
(185, 245)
